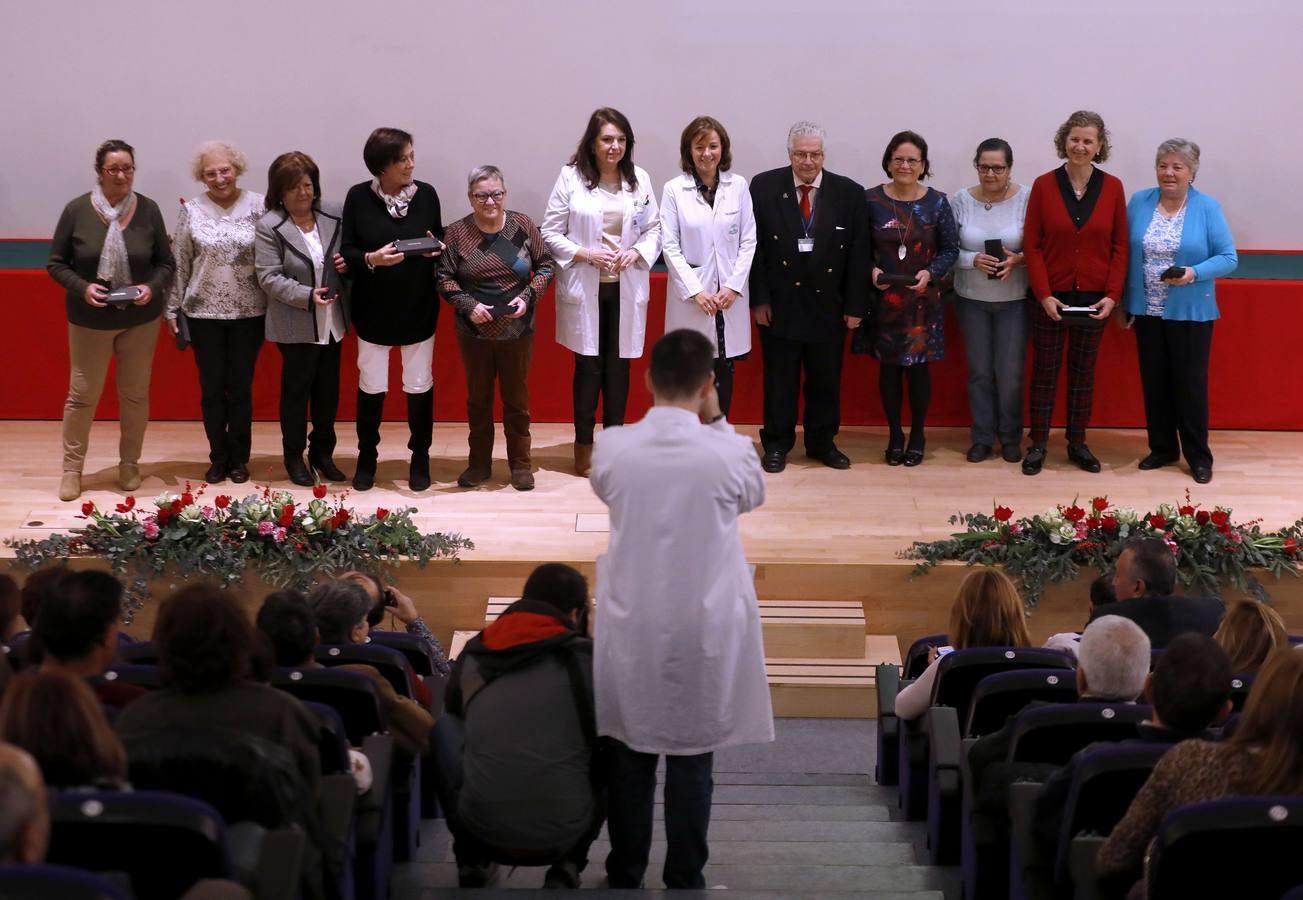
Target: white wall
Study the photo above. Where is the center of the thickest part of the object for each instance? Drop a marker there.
(512, 82)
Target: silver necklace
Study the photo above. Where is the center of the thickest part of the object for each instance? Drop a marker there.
(901, 252)
(1004, 195)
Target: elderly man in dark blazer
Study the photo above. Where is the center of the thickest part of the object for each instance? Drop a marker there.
(809, 283)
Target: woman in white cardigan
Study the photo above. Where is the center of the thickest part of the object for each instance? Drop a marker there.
(709, 235)
(602, 229)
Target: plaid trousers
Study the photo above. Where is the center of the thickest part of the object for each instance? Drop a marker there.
(1048, 338)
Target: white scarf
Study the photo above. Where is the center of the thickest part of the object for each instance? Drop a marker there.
(395, 203)
(114, 265)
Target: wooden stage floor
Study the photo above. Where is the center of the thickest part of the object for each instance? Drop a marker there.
(813, 515)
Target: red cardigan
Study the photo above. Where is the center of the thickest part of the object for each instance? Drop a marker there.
(1061, 258)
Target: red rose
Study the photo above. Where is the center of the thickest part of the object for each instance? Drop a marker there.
(87, 508)
(177, 506)
(122, 508)
(130, 502)
(1100, 504)
(1187, 510)
(1220, 518)
(187, 498)
(1290, 546)
(1157, 521)
(1093, 522)
(1202, 517)
(1074, 514)
(341, 518)
(381, 513)
(1003, 514)
(163, 515)
(287, 515)
(222, 501)
(1108, 523)
(318, 491)
(1225, 529)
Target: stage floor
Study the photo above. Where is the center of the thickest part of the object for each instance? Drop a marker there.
(813, 515)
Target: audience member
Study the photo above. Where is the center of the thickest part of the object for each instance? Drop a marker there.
(524, 778)
(290, 622)
(1143, 580)
(387, 598)
(1101, 594)
(11, 615)
(1249, 633)
(987, 612)
(39, 585)
(205, 642)
(1264, 757)
(24, 813)
(55, 716)
(1190, 691)
(76, 632)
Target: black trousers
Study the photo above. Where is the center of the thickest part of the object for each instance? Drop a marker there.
(226, 351)
(785, 360)
(606, 374)
(1174, 377)
(309, 381)
(688, 789)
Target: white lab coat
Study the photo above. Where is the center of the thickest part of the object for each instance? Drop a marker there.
(573, 221)
(679, 662)
(705, 248)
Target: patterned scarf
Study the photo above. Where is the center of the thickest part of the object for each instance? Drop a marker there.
(396, 203)
(114, 265)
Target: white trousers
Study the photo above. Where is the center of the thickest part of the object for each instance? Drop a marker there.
(373, 367)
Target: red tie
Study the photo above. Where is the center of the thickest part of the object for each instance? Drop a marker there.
(805, 201)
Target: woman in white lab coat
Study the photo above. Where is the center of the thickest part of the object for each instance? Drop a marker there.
(709, 235)
(602, 229)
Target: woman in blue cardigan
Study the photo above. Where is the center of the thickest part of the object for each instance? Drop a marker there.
(1180, 244)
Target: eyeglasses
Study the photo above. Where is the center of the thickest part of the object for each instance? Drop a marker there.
(807, 155)
(992, 170)
(223, 172)
(119, 170)
(902, 162)
(485, 197)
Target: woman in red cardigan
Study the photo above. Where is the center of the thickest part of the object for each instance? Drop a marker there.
(1075, 242)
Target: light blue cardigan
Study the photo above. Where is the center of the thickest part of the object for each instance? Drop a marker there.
(1206, 246)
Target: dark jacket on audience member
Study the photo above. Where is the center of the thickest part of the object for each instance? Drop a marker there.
(256, 709)
(524, 688)
(1164, 617)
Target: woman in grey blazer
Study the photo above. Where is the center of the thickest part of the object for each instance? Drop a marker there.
(298, 265)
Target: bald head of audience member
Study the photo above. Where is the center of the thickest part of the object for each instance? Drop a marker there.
(1113, 660)
(24, 815)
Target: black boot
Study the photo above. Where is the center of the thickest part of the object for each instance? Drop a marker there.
(370, 410)
(420, 422)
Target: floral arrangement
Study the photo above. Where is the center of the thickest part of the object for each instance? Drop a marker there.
(1210, 547)
(288, 543)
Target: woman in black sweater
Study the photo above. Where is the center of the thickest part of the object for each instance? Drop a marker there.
(394, 299)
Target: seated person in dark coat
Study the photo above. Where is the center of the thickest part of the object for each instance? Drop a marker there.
(522, 787)
(1143, 580)
(1190, 690)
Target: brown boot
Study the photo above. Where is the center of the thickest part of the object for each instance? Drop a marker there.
(583, 459)
(475, 474)
(522, 479)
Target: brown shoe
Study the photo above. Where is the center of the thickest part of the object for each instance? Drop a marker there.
(522, 479)
(583, 459)
(128, 476)
(474, 475)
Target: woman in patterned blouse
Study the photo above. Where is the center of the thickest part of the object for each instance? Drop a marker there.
(225, 309)
(493, 271)
(915, 243)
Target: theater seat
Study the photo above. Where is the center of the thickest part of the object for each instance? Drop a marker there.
(1241, 683)
(62, 882)
(389, 662)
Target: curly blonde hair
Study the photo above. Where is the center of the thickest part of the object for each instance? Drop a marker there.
(238, 160)
(1083, 118)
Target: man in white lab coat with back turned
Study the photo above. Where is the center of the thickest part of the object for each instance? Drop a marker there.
(678, 666)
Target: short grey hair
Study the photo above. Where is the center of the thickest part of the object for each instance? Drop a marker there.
(805, 128)
(339, 606)
(1187, 150)
(239, 161)
(484, 173)
(1114, 656)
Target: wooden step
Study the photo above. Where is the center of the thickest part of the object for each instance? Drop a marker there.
(830, 688)
(792, 629)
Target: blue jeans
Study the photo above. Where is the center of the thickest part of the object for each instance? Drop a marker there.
(995, 334)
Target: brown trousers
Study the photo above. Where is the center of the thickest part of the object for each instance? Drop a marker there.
(508, 363)
(90, 350)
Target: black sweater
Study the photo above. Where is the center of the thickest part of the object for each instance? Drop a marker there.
(394, 305)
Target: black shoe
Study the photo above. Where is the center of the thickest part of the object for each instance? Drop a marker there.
(1012, 453)
(774, 461)
(240, 474)
(832, 458)
(298, 472)
(1032, 462)
(364, 478)
(1156, 461)
(477, 876)
(895, 450)
(327, 469)
(1202, 474)
(216, 473)
(978, 452)
(418, 473)
(913, 458)
(564, 874)
(1081, 455)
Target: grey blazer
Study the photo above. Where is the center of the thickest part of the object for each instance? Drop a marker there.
(287, 276)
